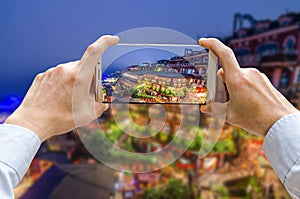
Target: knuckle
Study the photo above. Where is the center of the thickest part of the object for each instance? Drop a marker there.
(243, 79)
(59, 68)
(247, 78)
(49, 71)
(104, 42)
(73, 76)
(91, 49)
(239, 80)
(264, 76)
(254, 71)
(39, 76)
(228, 52)
(255, 74)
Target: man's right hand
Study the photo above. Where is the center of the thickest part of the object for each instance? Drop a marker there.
(254, 104)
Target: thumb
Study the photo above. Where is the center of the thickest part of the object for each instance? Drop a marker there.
(215, 109)
(100, 108)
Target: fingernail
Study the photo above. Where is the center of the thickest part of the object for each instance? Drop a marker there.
(116, 36)
(201, 40)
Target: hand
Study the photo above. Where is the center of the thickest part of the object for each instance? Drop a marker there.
(62, 94)
(254, 104)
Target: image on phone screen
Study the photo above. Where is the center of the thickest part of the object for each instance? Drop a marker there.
(155, 73)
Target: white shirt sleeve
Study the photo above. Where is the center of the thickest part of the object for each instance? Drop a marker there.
(282, 148)
(18, 146)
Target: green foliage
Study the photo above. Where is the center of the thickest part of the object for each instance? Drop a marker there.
(114, 132)
(135, 93)
(197, 142)
(256, 190)
(221, 190)
(225, 146)
(141, 86)
(119, 155)
(181, 93)
(107, 151)
(162, 137)
(146, 96)
(243, 134)
(175, 189)
(152, 193)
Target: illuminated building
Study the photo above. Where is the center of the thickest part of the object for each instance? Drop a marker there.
(178, 71)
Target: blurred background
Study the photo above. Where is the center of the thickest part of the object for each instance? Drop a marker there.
(36, 35)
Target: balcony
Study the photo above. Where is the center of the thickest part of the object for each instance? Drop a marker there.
(255, 60)
(249, 60)
(279, 58)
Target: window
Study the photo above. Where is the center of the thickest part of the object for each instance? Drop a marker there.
(267, 49)
(240, 52)
(242, 33)
(289, 45)
(284, 80)
(262, 27)
(297, 76)
(284, 21)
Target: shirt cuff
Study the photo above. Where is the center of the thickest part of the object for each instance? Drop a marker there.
(18, 147)
(281, 144)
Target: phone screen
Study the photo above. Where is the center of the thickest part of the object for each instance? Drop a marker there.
(155, 73)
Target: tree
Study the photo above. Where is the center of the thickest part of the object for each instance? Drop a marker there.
(175, 189)
(153, 193)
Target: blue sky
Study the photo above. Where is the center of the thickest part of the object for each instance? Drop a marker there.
(36, 35)
(137, 57)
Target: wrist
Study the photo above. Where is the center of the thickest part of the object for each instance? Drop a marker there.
(21, 120)
(280, 114)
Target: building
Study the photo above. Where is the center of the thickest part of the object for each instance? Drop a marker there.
(192, 63)
(180, 79)
(199, 60)
(271, 46)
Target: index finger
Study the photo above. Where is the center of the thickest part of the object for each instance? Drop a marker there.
(93, 53)
(228, 60)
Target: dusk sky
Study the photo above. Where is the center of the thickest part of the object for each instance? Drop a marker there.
(137, 57)
(36, 35)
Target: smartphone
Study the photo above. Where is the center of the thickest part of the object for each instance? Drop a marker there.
(156, 73)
